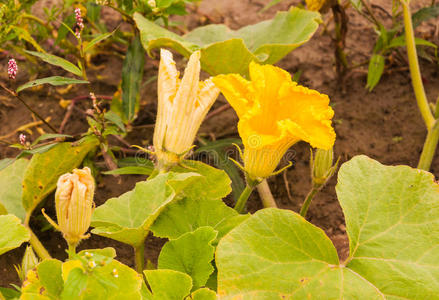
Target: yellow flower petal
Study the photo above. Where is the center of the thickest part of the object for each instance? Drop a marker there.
(274, 114)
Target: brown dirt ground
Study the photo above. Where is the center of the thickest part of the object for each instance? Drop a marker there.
(384, 124)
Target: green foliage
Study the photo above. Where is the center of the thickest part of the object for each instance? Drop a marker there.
(11, 178)
(132, 74)
(53, 80)
(12, 233)
(376, 68)
(44, 169)
(168, 284)
(192, 254)
(57, 61)
(127, 218)
(91, 274)
(226, 51)
(391, 213)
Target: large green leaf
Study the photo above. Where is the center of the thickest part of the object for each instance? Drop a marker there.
(132, 74)
(227, 51)
(188, 214)
(168, 284)
(53, 80)
(127, 218)
(12, 233)
(11, 178)
(44, 169)
(57, 61)
(191, 253)
(392, 219)
(214, 183)
(203, 294)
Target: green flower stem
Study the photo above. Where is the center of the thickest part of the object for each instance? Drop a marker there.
(72, 249)
(139, 257)
(415, 72)
(240, 204)
(315, 189)
(38, 247)
(265, 194)
(34, 241)
(429, 148)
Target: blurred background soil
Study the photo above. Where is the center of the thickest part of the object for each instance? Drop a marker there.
(384, 124)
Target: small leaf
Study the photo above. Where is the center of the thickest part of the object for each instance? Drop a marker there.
(186, 215)
(57, 61)
(192, 254)
(168, 284)
(44, 170)
(133, 170)
(49, 274)
(48, 136)
(12, 233)
(127, 218)
(376, 68)
(132, 74)
(424, 14)
(54, 80)
(400, 42)
(11, 189)
(97, 40)
(115, 119)
(203, 294)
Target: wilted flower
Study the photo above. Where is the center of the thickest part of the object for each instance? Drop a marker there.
(182, 106)
(12, 68)
(74, 204)
(275, 113)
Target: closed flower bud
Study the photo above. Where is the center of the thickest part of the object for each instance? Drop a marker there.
(182, 106)
(30, 261)
(74, 204)
(322, 166)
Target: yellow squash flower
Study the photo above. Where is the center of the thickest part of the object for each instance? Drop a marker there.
(182, 106)
(275, 113)
(74, 204)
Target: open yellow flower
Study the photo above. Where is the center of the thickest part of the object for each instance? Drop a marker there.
(275, 113)
(182, 106)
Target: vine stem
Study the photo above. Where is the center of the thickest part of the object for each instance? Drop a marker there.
(242, 200)
(315, 189)
(265, 194)
(432, 138)
(35, 242)
(139, 257)
(415, 72)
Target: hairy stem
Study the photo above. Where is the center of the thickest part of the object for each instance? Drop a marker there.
(240, 204)
(139, 257)
(265, 194)
(415, 72)
(315, 189)
(429, 148)
(34, 241)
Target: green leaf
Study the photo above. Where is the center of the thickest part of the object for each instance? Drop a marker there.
(115, 119)
(132, 74)
(132, 170)
(191, 253)
(57, 61)
(376, 68)
(48, 136)
(271, 4)
(127, 218)
(400, 42)
(44, 169)
(75, 285)
(424, 14)
(97, 40)
(203, 294)
(392, 220)
(188, 214)
(12, 233)
(11, 189)
(9, 294)
(213, 185)
(49, 274)
(6, 162)
(276, 254)
(227, 51)
(168, 284)
(53, 80)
